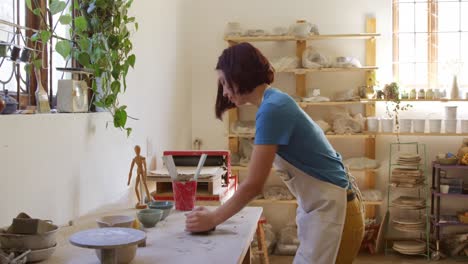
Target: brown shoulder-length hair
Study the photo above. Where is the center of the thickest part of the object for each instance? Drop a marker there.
(246, 67)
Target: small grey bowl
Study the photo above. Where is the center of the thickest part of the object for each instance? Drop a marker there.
(149, 217)
(165, 206)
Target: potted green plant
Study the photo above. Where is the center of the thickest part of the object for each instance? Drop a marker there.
(100, 42)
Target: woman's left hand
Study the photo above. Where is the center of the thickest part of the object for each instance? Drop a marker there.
(200, 220)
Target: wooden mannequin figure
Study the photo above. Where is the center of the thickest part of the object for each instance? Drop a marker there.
(140, 161)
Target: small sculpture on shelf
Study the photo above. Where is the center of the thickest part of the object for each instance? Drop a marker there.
(140, 161)
(463, 152)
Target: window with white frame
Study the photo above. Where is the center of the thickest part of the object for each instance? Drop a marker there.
(430, 42)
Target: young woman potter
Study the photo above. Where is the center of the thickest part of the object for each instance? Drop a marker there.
(330, 217)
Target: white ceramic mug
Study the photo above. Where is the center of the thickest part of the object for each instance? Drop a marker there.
(464, 125)
(419, 125)
(450, 112)
(233, 28)
(301, 29)
(405, 125)
(451, 126)
(435, 125)
(373, 124)
(387, 125)
(444, 188)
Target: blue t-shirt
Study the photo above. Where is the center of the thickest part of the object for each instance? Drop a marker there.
(301, 142)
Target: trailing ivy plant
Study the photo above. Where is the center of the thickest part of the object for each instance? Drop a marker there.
(393, 104)
(100, 42)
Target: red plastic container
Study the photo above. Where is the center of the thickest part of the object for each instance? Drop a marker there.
(184, 194)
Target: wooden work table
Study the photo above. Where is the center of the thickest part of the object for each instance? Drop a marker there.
(169, 243)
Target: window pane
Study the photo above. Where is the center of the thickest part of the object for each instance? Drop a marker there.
(59, 61)
(406, 71)
(421, 75)
(406, 48)
(421, 17)
(7, 69)
(406, 17)
(421, 47)
(449, 47)
(463, 78)
(449, 16)
(464, 17)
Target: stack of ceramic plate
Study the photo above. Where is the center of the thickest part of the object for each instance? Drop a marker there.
(408, 159)
(406, 177)
(408, 202)
(410, 247)
(408, 225)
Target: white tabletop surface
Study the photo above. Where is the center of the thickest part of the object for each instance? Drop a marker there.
(169, 243)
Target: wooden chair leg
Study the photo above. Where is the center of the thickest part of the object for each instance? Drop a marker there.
(262, 247)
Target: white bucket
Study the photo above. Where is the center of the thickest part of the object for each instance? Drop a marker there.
(464, 126)
(373, 124)
(450, 112)
(405, 125)
(450, 126)
(387, 125)
(419, 125)
(435, 125)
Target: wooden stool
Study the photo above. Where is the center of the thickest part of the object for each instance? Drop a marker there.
(261, 244)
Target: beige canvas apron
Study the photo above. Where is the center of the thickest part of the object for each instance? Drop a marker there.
(320, 216)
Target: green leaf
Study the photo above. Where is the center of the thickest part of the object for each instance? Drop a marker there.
(120, 118)
(65, 19)
(123, 107)
(63, 47)
(109, 100)
(131, 60)
(29, 4)
(45, 36)
(37, 11)
(94, 88)
(84, 44)
(84, 59)
(101, 3)
(35, 37)
(37, 63)
(99, 104)
(57, 6)
(81, 24)
(115, 87)
(129, 131)
(129, 3)
(136, 26)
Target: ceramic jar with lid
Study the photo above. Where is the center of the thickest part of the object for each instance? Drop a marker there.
(9, 102)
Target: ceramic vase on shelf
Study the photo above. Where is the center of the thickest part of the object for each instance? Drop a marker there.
(42, 98)
(454, 93)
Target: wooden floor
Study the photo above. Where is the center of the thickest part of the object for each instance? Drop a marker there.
(372, 259)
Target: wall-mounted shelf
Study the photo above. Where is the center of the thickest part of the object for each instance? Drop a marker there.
(333, 103)
(443, 100)
(367, 135)
(293, 38)
(305, 70)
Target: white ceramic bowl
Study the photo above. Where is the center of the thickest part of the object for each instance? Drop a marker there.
(115, 221)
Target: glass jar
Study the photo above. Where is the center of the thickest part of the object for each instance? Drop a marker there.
(404, 94)
(412, 94)
(429, 94)
(421, 94)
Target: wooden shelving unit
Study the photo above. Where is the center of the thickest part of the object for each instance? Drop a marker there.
(292, 38)
(305, 71)
(369, 68)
